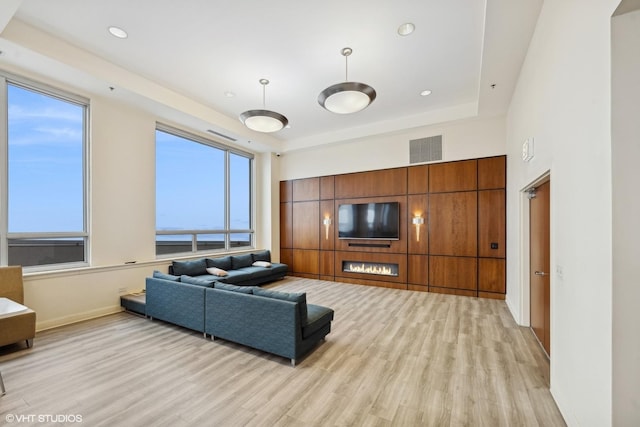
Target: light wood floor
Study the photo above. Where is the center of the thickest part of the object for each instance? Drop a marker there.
(393, 357)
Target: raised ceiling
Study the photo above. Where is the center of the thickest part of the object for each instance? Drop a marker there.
(200, 50)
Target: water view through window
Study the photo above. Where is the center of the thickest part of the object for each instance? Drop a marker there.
(46, 178)
(203, 195)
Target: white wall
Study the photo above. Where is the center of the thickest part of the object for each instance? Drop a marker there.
(562, 99)
(460, 140)
(625, 148)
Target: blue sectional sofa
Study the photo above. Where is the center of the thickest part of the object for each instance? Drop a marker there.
(276, 322)
(241, 269)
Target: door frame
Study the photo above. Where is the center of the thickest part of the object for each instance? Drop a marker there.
(525, 270)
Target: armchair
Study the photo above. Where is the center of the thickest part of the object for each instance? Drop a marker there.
(17, 322)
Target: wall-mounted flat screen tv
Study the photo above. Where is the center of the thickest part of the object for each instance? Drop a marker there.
(369, 221)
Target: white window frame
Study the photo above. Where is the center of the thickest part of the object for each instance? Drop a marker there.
(5, 236)
(227, 231)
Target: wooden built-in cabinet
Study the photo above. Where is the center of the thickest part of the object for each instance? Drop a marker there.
(460, 247)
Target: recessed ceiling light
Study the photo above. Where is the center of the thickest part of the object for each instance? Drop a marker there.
(118, 32)
(406, 29)
(229, 94)
(425, 93)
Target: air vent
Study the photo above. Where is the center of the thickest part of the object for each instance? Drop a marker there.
(221, 135)
(425, 149)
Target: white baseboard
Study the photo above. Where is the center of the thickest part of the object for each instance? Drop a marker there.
(77, 317)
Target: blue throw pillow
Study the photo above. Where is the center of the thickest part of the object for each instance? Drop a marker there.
(190, 268)
(239, 261)
(159, 275)
(262, 256)
(223, 263)
(234, 288)
(299, 297)
(196, 281)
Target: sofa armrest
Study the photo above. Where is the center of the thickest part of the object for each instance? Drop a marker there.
(175, 302)
(263, 323)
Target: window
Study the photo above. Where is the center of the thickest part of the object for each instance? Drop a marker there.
(203, 194)
(44, 177)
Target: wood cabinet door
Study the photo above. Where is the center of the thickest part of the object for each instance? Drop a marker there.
(453, 224)
(453, 176)
(306, 225)
(492, 275)
(492, 173)
(492, 223)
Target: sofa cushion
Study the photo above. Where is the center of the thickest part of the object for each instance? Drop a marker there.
(262, 256)
(234, 288)
(196, 281)
(278, 268)
(159, 275)
(317, 317)
(299, 297)
(223, 263)
(215, 271)
(239, 261)
(190, 268)
(256, 272)
(236, 276)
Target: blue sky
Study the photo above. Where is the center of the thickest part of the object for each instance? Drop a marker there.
(45, 173)
(45, 163)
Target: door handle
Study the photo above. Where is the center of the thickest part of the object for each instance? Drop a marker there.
(541, 273)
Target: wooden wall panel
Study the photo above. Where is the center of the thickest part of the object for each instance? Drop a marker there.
(306, 189)
(453, 176)
(492, 228)
(492, 275)
(286, 191)
(418, 179)
(492, 173)
(453, 224)
(306, 261)
(286, 225)
(327, 187)
(327, 263)
(418, 205)
(286, 257)
(418, 269)
(453, 272)
(387, 182)
(463, 204)
(306, 232)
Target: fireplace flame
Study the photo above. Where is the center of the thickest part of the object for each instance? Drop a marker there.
(381, 270)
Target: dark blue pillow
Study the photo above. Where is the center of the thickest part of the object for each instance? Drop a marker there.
(223, 263)
(262, 256)
(190, 268)
(234, 288)
(159, 275)
(195, 281)
(299, 297)
(239, 261)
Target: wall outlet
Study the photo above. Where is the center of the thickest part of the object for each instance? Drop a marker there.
(559, 272)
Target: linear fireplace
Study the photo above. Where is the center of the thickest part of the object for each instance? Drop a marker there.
(376, 268)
